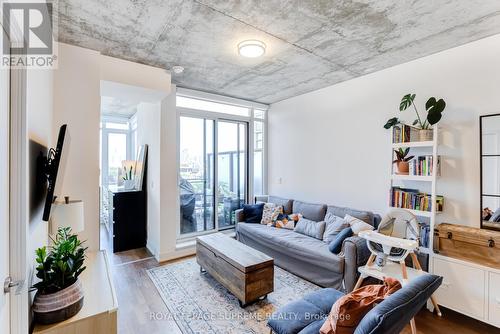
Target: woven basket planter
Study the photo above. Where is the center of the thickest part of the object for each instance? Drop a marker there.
(58, 306)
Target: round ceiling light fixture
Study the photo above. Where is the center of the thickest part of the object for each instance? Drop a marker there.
(251, 48)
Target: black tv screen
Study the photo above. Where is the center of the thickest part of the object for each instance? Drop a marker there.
(51, 169)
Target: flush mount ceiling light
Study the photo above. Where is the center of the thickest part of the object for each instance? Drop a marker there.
(251, 48)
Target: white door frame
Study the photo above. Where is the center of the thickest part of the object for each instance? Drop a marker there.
(18, 193)
(18, 201)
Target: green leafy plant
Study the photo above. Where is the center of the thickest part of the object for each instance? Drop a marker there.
(433, 107)
(401, 155)
(128, 174)
(59, 265)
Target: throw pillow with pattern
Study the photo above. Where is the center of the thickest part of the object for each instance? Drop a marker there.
(270, 213)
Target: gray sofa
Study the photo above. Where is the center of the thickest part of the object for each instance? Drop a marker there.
(305, 256)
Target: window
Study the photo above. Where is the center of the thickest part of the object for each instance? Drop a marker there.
(117, 126)
(258, 168)
(197, 104)
(115, 147)
(218, 142)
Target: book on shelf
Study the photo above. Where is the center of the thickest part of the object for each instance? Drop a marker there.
(404, 133)
(413, 199)
(423, 166)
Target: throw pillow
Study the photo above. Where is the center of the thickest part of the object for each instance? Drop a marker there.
(348, 310)
(357, 225)
(253, 213)
(270, 213)
(295, 217)
(283, 222)
(495, 217)
(335, 245)
(334, 225)
(310, 228)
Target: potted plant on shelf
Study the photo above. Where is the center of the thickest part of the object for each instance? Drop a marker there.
(59, 292)
(402, 161)
(128, 181)
(434, 110)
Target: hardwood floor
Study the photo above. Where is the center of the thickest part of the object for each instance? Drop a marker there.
(138, 300)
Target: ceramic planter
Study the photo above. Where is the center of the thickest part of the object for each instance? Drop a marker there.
(402, 167)
(55, 307)
(129, 184)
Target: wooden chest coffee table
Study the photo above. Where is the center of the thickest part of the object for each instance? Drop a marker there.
(246, 272)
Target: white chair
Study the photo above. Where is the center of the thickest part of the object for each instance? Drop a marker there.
(396, 238)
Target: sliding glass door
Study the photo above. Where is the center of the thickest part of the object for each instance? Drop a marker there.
(202, 140)
(231, 170)
(196, 170)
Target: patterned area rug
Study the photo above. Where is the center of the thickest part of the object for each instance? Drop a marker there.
(199, 304)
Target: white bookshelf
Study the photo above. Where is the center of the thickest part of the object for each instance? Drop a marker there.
(417, 181)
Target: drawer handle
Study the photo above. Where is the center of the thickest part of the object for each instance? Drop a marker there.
(449, 235)
(491, 243)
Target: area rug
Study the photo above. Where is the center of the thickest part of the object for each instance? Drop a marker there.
(199, 304)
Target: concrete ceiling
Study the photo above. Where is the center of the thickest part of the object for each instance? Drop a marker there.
(310, 43)
(112, 106)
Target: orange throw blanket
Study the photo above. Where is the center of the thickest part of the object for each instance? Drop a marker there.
(348, 310)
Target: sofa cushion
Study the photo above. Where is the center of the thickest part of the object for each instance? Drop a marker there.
(284, 202)
(395, 312)
(365, 216)
(310, 211)
(310, 228)
(334, 225)
(253, 213)
(335, 246)
(357, 225)
(297, 247)
(312, 311)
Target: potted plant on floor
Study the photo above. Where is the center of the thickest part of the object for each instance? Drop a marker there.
(434, 110)
(402, 161)
(59, 292)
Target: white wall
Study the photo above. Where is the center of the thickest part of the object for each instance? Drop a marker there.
(77, 103)
(148, 132)
(77, 84)
(329, 145)
(39, 109)
(170, 215)
(157, 127)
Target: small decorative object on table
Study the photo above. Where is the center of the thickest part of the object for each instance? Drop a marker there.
(60, 293)
(434, 110)
(129, 172)
(402, 161)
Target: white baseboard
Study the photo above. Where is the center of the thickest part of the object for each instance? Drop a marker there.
(176, 254)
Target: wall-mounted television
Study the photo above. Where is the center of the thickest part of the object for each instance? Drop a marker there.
(50, 170)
